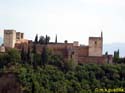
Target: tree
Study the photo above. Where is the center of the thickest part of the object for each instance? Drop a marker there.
(47, 39)
(3, 59)
(14, 55)
(56, 39)
(106, 53)
(22, 53)
(116, 56)
(42, 40)
(34, 55)
(118, 53)
(70, 64)
(29, 55)
(44, 56)
(24, 57)
(36, 39)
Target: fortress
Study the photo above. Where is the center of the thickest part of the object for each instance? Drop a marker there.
(93, 53)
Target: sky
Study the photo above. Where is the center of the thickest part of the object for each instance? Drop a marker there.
(72, 20)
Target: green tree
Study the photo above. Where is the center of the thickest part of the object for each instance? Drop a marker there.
(29, 55)
(70, 65)
(116, 56)
(23, 55)
(56, 60)
(14, 55)
(3, 60)
(34, 55)
(42, 40)
(44, 56)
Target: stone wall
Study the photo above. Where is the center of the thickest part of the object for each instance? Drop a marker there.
(82, 50)
(92, 59)
(78, 53)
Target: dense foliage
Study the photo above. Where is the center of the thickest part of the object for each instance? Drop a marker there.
(51, 75)
(84, 79)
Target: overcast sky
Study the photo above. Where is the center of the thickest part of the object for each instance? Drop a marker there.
(74, 20)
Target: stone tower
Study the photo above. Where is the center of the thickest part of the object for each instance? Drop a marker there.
(9, 38)
(96, 45)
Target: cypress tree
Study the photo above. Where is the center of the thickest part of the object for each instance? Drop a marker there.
(36, 39)
(22, 54)
(34, 56)
(56, 39)
(47, 39)
(28, 55)
(44, 56)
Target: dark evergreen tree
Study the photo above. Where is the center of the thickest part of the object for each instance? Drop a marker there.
(47, 39)
(34, 56)
(29, 55)
(118, 53)
(23, 55)
(42, 40)
(44, 56)
(116, 56)
(36, 39)
(106, 53)
(56, 39)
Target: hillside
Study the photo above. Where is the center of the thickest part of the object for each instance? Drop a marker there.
(50, 74)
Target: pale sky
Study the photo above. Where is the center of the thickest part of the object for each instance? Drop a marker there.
(74, 20)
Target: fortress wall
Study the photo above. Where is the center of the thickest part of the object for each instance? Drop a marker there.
(82, 51)
(92, 59)
(55, 49)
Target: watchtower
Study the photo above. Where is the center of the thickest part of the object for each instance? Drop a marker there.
(96, 45)
(9, 38)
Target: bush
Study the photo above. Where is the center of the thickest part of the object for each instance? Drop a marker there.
(14, 56)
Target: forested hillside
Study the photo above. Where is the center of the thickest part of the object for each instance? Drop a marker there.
(49, 74)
